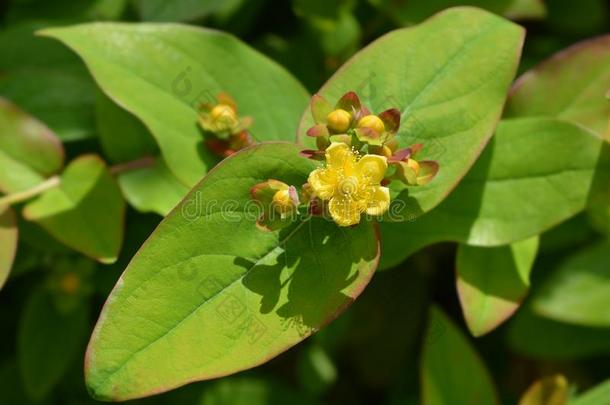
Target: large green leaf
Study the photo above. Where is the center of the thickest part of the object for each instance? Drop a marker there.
(8, 242)
(85, 211)
(47, 341)
(572, 85)
(579, 292)
(466, 384)
(492, 282)
(534, 174)
(29, 151)
(449, 77)
(491, 203)
(534, 336)
(210, 293)
(191, 65)
(149, 186)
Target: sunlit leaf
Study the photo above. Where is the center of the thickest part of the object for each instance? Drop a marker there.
(210, 293)
(534, 174)
(85, 211)
(441, 384)
(449, 77)
(492, 282)
(191, 66)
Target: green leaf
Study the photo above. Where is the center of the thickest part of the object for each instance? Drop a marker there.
(29, 151)
(444, 345)
(210, 294)
(571, 85)
(534, 174)
(47, 342)
(449, 78)
(8, 242)
(253, 391)
(152, 189)
(123, 138)
(551, 390)
(492, 282)
(599, 394)
(85, 211)
(534, 336)
(179, 10)
(191, 66)
(409, 12)
(62, 97)
(579, 291)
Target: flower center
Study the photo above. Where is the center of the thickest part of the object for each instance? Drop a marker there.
(348, 186)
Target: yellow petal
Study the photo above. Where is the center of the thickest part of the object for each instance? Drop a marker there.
(372, 168)
(340, 157)
(344, 211)
(322, 182)
(379, 202)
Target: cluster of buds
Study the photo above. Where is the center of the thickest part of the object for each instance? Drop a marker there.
(352, 123)
(361, 157)
(226, 131)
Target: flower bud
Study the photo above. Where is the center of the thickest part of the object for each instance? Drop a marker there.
(224, 114)
(339, 120)
(373, 122)
(285, 201)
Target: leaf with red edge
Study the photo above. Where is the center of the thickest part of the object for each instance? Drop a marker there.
(449, 77)
(210, 294)
(320, 108)
(391, 120)
(349, 102)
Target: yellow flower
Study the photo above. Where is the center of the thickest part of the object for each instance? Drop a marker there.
(351, 185)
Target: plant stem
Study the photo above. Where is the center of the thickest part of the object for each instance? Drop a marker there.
(31, 192)
(54, 181)
(146, 161)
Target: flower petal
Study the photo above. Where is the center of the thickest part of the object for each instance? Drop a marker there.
(322, 182)
(344, 211)
(379, 202)
(320, 108)
(339, 156)
(372, 168)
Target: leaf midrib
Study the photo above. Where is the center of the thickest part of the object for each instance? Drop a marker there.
(186, 317)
